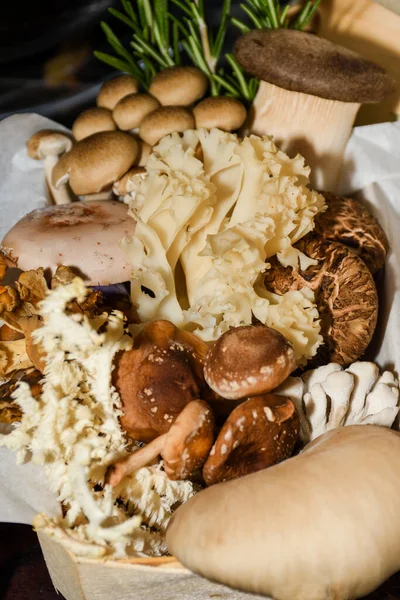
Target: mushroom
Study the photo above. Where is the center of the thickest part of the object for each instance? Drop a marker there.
(49, 145)
(309, 95)
(345, 294)
(179, 86)
(82, 235)
(116, 88)
(157, 378)
(258, 434)
(349, 222)
(184, 448)
(129, 182)
(96, 162)
(222, 112)
(163, 121)
(323, 524)
(130, 111)
(9, 334)
(92, 120)
(248, 361)
(145, 151)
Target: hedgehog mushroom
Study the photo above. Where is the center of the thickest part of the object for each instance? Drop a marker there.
(309, 95)
(258, 434)
(345, 294)
(184, 448)
(95, 163)
(49, 145)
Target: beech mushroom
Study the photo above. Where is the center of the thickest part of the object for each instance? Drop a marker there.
(258, 434)
(145, 151)
(349, 222)
(74, 235)
(128, 183)
(179, 86)
(184, 448)
(157, 378)
(248, 361)
(222, 112)
(309, 95)
(323, 524)
(116, 88)
(96, 162)
(163, 121)
(91, 121)
(130, 111)
(48, 145)
(345, 294)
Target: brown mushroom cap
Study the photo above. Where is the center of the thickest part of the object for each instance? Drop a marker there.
(222, 112)
(48, 142)
(82, 235)
(158, 378)
(124, 185)
(189, 441)
(114, 89)
(302, 62)
(345, 295)
(179, 86)
(92, 120)
(163, 121)
(130, 111)
(96, 162)
(349, 222)
(248, 361)
(258, 434)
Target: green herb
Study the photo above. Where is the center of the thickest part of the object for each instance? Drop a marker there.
(159, 37)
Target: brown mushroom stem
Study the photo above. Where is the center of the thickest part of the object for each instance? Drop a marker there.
(62, 195)
(135, 461)
(106, 195)
(315, 127)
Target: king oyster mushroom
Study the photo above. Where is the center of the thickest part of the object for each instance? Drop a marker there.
(309, 95)
(116, 88)
(92, 120)
(48, 145)
(349, 222)
(345, 295)
(95, 163)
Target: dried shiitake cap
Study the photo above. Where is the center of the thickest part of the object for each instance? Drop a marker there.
(303, 62)
(248, 361)
(179, 86)
(96, 162)
(130, 111)
(92, 120)
(349, 222)
(157, 378)
(114, 89)
(258, 434)
(345, 295)
(222, 112)
(163, 121)
(82, 235)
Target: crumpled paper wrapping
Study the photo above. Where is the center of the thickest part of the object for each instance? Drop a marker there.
(371, 171)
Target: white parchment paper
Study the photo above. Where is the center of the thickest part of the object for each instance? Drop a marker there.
(371, 171)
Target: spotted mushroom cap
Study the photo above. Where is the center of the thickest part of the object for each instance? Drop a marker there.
(348, 221)
(189, 441)
(157, 378)
(248, 361)
(258, 434)
(345, 294)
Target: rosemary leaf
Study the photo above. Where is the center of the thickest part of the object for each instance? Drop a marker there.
(197, 53)
(283, 16)
(116, 44)
(148, 13)
(142, 18)
(175, 44)
(272, 14)
(183, 7)
(179, 25)
(238, 72)
(232, 90)
(243, 28)
(119, 15)
(149, 70)
(193, 32)
(253, 17)
(310, 13)
(216, 47)
(150, 51)
(188, 51)
(119, 64)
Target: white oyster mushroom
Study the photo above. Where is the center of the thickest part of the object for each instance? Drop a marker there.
(330, 397)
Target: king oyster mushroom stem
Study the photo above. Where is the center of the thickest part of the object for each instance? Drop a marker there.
(48, 145)
(184, 448)
(309, 95)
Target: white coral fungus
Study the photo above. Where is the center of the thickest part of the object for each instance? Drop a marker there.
(73, 430)
(330, 397)
(221, 206)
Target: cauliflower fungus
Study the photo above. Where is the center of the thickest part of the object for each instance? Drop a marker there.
(73, 430)
(219, 207)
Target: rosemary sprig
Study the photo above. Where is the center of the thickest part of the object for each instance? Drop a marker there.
(269, 14)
